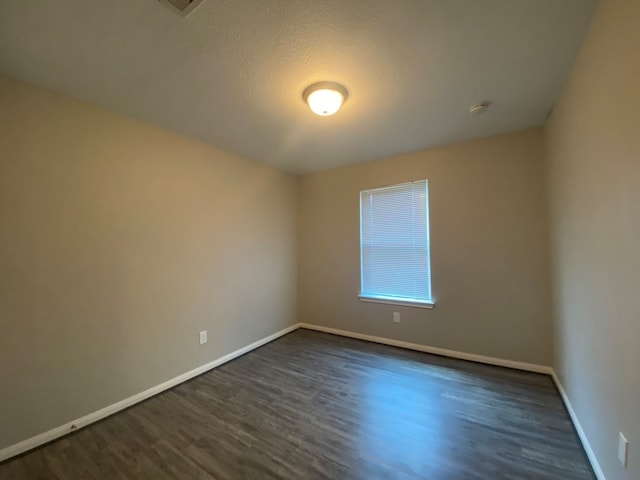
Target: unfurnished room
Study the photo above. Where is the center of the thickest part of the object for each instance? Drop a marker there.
(320, 240)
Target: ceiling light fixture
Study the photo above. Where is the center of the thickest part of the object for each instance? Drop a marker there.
(325, 98)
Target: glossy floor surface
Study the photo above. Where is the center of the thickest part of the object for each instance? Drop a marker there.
(316, 406)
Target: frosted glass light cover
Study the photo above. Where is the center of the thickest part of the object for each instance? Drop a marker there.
(325, 101)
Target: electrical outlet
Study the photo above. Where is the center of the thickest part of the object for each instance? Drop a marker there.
(396, 317)
(203, 337)
(623, 450)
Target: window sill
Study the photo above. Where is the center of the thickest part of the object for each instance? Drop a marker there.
(391, 301)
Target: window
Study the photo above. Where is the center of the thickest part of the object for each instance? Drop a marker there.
(394, 245)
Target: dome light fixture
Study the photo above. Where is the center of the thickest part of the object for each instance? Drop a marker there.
(325, 98)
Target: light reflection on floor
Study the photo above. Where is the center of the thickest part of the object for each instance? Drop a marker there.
(392, 419)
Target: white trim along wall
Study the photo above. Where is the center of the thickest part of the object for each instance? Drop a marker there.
(74, 425)
(69, 427)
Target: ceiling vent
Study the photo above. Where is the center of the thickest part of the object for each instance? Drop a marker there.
(185, 7)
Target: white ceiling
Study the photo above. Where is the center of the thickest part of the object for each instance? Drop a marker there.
(232, 73)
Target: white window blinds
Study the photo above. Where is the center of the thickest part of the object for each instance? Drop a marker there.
(394, 243)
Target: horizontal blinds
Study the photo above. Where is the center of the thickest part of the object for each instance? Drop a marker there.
(394, 231)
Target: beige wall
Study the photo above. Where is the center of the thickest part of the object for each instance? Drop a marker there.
(119, 243)
(593, 144)
(489, 249)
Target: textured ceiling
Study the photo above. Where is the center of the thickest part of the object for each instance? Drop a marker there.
(232, 72)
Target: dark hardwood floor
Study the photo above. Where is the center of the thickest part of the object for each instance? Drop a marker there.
(317, 406)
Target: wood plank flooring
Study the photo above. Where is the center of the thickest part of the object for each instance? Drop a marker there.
(316, 406)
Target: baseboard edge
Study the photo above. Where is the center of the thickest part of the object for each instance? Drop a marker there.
(501, 362)
(529, 367)
(57, 432)
(576, 423)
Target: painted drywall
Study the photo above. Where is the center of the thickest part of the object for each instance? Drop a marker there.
(593, 150)
(489, 246)
(120, 242)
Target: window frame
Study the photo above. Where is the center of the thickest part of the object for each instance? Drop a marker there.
(391, 300)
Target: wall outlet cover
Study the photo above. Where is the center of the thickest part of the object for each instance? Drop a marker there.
(623, 450)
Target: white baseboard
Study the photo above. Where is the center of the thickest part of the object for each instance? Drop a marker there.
(72, 426)
(36, 441)
(576, 423)
(529, 367)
